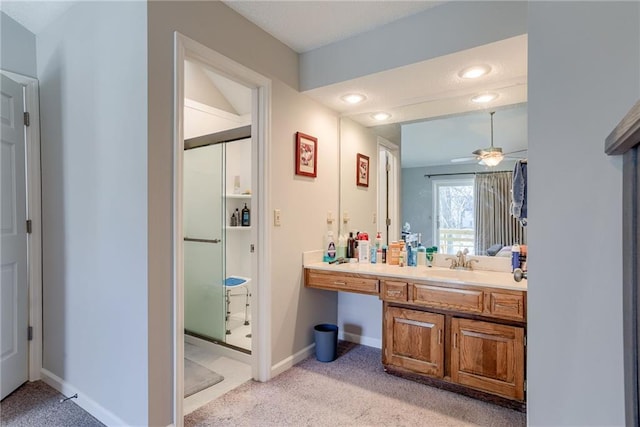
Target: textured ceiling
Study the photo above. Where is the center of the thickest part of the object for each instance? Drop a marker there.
(35, 15)
(304, 25)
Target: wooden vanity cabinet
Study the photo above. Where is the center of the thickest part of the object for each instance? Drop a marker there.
(414, 340)
(488, 356)
(466, 336)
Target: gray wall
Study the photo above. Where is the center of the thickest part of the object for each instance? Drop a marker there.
(17, 47)
(417, 194)
(93, 103)
(583, 77)
(447, 28)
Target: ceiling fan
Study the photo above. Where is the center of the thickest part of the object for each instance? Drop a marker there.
(490, 156)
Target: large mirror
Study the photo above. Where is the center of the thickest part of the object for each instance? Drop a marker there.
(423, 161)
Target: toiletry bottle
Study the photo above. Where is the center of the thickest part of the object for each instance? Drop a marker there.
(330, 252)
(342, 246)
(234, 220)
(374, 255)
(246, 216)
(384, 254)
(237, 221)
(422, 256)
(515, 257)
(402, 257)
(351, 246)
(378, 240)
(363, 248)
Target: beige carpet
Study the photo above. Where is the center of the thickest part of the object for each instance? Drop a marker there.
(36, 404)
(353, 390)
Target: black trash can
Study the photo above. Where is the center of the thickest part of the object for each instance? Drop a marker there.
(326, 336)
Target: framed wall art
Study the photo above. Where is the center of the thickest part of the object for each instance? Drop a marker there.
(306, 155)
(362, 170)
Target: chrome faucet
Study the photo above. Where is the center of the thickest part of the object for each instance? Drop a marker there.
(460, 262)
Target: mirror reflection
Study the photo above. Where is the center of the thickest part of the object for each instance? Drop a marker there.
(443, 180)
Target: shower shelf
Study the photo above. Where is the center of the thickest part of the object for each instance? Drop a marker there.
(237, 228)
(238, 196)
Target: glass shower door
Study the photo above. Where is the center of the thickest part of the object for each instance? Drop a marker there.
(204, 254)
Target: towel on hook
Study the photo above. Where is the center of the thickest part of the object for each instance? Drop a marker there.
(519, 192)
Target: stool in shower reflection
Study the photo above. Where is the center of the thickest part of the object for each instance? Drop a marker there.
(241, 284)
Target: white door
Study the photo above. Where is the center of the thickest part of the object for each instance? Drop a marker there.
(13, 253)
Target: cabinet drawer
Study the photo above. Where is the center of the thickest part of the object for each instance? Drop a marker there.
(394, 291)
(341, 282)
(509, 306)
(469, 300)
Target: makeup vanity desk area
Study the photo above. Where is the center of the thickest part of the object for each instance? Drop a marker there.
(463, 331)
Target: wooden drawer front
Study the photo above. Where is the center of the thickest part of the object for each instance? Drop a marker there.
(394, 291)
(341, 282)
(448, 298)
(510, 306)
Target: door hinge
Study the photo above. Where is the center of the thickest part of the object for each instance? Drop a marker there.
(388, 167)
(525, 341)
(29, 333)
(253, 248)
(27, 119)
(29, 226)
(525, 385)
(388, 222)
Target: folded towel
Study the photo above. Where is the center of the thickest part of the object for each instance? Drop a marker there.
(519, 192)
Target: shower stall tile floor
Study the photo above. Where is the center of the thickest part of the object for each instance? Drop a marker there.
(233, 371)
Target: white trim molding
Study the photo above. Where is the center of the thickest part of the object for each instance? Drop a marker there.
(91, 406)
(292, 360)
(360, 339)
(185, 47)
(34, 213)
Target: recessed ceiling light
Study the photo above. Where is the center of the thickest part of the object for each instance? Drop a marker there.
(381, 116)
(484, 98)
(474, 72)
(353, 98)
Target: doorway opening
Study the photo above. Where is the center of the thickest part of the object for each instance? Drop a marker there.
(221, 282)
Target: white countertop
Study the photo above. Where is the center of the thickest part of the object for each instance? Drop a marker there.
(493, 279)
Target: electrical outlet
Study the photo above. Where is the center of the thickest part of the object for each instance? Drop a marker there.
(276, 217)
(345, 217)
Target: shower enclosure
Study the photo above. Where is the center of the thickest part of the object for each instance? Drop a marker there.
(217, 258)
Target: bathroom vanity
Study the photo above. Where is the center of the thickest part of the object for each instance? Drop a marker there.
(464, 331)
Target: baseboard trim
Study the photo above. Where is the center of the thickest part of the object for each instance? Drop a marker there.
(359, 339)
(91, 406)
(292, 360)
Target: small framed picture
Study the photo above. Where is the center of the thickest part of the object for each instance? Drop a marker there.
(306, 155)
(362, 170)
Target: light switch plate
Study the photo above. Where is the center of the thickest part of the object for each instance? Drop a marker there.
(345, 217)
(329, 217)
(276, 217)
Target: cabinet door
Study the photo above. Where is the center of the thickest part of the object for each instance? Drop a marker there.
(488, 356)
(414, 340)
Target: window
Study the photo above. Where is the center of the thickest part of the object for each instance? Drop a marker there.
(454, 216)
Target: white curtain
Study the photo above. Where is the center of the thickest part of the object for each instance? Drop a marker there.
(494, 224)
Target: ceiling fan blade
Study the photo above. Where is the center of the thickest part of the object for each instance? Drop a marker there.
(463, 159)
(516, 151)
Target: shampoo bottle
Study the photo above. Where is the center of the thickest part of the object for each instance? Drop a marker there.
(351, 246)
(246, 216)
(342, 246)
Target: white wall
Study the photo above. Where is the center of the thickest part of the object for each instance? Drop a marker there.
(583, 77)
(93, 105)
(17, 47)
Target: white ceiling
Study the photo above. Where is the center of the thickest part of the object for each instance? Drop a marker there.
(304, 25)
